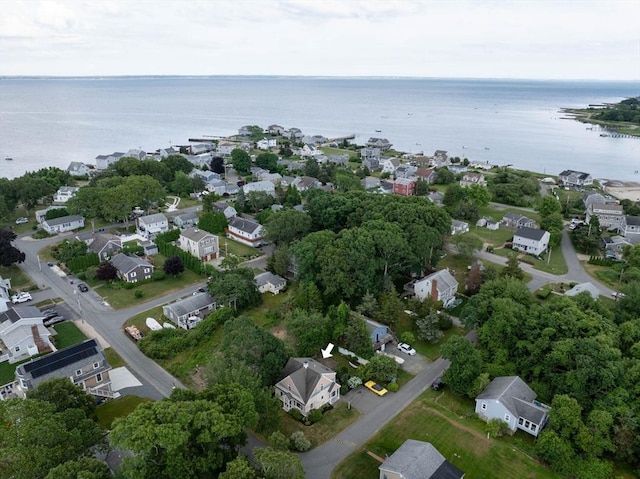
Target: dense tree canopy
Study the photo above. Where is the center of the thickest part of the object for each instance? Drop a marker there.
(9, 254)
(63, 394)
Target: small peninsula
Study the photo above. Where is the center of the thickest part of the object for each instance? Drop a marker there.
(621, 118)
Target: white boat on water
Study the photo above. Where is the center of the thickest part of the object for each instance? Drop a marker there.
(8, 158)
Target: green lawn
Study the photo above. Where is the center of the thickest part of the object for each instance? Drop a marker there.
(68, 335)
(339, 151)
(270, 304)
(451, 427)
(116, 408)
(7, 371)
(19, 280)
(229, 246)
(498, 213)
(494, 237)
(123, 298)
(114, 359)
(556, 264)
(334, 421)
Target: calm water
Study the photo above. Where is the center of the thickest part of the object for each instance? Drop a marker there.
(50, 122)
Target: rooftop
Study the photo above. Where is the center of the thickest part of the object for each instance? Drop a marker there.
(530, 233)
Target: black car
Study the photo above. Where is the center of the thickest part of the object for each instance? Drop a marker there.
(437, 384)
(83, 288)
(49, 313)
(52, 321)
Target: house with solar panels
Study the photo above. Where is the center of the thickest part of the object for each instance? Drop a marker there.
(84, 363)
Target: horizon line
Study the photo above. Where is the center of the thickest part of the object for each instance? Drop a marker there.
(314, 77)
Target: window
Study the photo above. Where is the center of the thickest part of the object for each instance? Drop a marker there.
(333, 394)
(534, 427)
(78, 372)
(520, 421)
(99, 377)
(96, 365)
(527, 424)
(17, 349)
(133, 274)
(507, 418)
(483, 406)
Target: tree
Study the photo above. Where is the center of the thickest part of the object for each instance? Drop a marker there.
(217, 165)
(453, 195)
(428, 328)
(467, 244)
(230, 261)
(175, 163)
(555, 451)
(299, 442)
(390, 307)
(9, 254)
(308, 297)
(31, 189)
(215, 223)
(258, 201)
(171, 438)
(512, 269)
(466, 364)
(369, 306)
(477, 194)
(423, 188)
(473, 279)
(287, 226)
(382, 368)
(312, 168)
(348, 181)
(235, 287)
(444, 176)
(292, 197)
(56, 213)
(240, 160)
(268, 161)
(356, 337)
(67, 250)
(311, 331)
(548, 206)
(496, 427)
(239, 468)
(276, 464)
(35, 438)
(82, 468)
(173, 265)
(183, 186)
(63, 394)
(107, 272)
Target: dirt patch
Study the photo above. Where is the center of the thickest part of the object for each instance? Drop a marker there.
(279, 332)
(199, 379)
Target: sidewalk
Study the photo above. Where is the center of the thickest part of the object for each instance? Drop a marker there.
(89, 332)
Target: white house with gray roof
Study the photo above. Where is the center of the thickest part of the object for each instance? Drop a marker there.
(306, 385)
(531, 240)
(150, 225)
(84, 363)
(199, 243)
(509, 399)
(5, 296)
(187, 313)
(630, 228)
(575, 178)
(270, 282)
(265, 186)
(245, 231)
(439, 286)
(22, 334)
(77, 168)
(418, 460)
(103, 161)
(63, 224)
(132, 268)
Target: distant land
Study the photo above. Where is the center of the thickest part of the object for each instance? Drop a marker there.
(621, 118)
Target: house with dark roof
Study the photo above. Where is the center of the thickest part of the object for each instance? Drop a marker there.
(515, 220)
(426, 174)
(531, 240)
(418, 460)
(575, 178)
(84, 363)
(511, 400)
(439, 286)
(132, 268)
(226, 208)
(63, 224)
(104, 245)
(381, 143)
(630, 228)
(199, 243)
(185, 220)
(190, 311)
(270, 282)
(22, 334)
(245, 231)
(304, 183)
(306, 385)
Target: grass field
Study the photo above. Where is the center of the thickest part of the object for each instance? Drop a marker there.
(556, 264)
(19, 280)
(334, 421)
(229, 246)
(456, 433)
(338, 151)
(68, 335)
(113, 358)
(116, 408)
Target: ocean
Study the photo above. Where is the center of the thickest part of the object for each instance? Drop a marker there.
(53, 121)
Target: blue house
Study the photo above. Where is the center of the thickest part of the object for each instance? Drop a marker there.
(379, 333)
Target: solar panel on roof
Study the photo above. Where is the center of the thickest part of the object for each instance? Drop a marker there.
(61, 358)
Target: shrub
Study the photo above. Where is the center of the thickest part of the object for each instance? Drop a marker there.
(543, 293)
(295, 414)
(127, 285)
(279, 441)
(82, 276)
(314, 416)
(353, 382)
(393, 387)
(408, 337)
(138, 293)
(299, 442)
(158, 275)
(344, 389)
(445, 322)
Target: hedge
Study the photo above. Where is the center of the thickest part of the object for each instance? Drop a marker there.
(81, 263)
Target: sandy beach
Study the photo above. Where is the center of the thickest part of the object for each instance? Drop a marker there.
(623, 190)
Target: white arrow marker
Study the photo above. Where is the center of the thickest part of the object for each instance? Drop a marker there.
(326, 353)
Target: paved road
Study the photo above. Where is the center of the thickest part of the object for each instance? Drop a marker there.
(107, 322)
(575, 273)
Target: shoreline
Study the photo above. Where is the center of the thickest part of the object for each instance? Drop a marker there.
(622, 190)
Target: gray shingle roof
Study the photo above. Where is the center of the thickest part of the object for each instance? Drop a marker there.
(125, 264)
(155, 218)
(64, 219)
(268, 277)
(20, 312)
(195, 234)
(191, 303)
(516, 396)
(248, 226)
(530, 233)
(305, 379)
(633, 220)
(420, 460)
(101, 240)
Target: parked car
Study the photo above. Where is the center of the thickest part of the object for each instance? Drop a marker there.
(21, 298)
(405, 348)
(49, 314)
(51, 321)
(375, 388)
(617, 295)
(437, 384)
(83, 288)
(22, 220)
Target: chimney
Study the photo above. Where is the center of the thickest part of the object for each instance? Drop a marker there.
(434, 289)
(306, 364)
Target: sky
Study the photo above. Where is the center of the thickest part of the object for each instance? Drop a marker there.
(541, 39)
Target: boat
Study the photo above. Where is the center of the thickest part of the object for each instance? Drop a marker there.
(378, 131)
(8, 158)
(153, 325)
